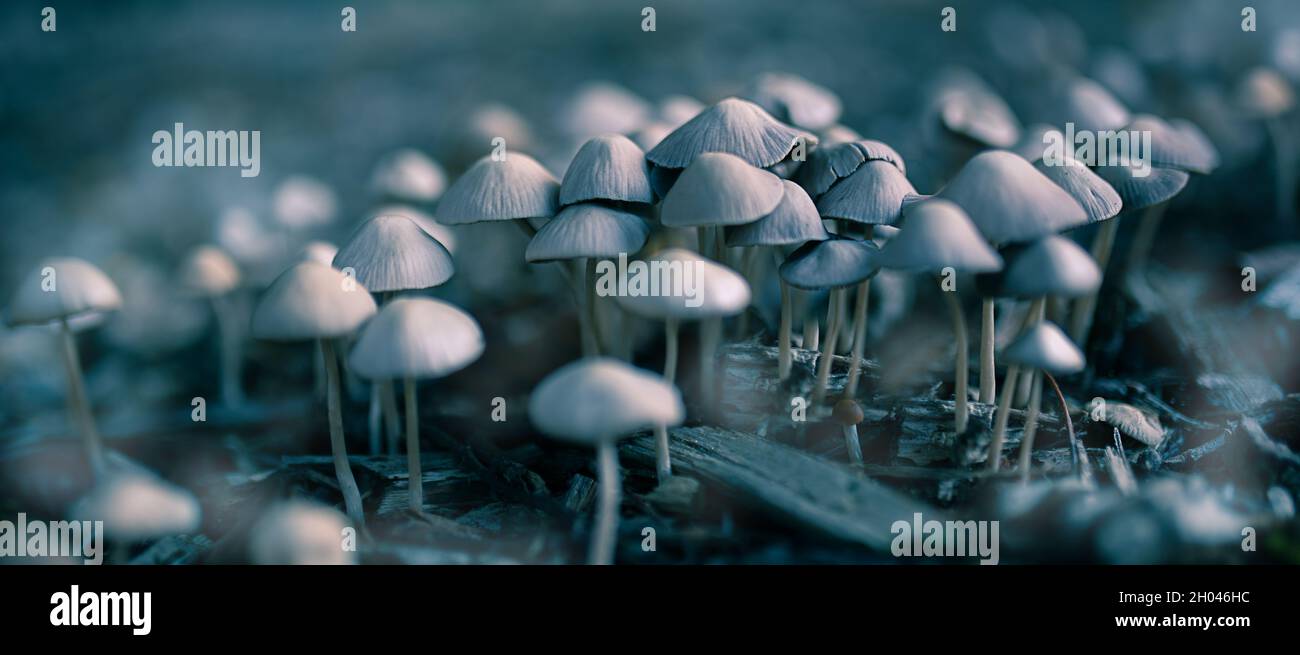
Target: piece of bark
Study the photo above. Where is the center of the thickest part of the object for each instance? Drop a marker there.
(580, 495)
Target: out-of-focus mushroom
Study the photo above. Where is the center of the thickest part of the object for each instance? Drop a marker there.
(848, 413)
(408, 175)
(1267, 96)
(302, 202)
(300, 533)
(413, 339)
(719, 190)
(138, 506)
(313, 302)
(1043, 347)
(796, 101)
(604, 107)
(65, 290)
(596, 402)
(209, 272)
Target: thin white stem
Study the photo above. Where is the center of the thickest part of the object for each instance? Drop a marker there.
(670, 349)
(663, 462)
(78, 402)
(1031, 427)
(1102, 246)
(373, 421)
(1032, 317)
(413, 469)
(961, 408)
(710, 335)
(988, 367)
(784, 358)
(392, 424)
(828, 347)
(347, 483)
(859, 338)
(606, 530)
(1000, 420)
(852, 444)
(591, 337)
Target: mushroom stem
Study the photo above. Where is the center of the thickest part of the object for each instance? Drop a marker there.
(373, 422)
(347, 483)
(1285, 190)
(392, 426)
(783, 359)
(1031, 427)
(1032, 318)
(670, 349)
(590, 337)
(228, 345)
(318, 373)
(710, 335)
(77, 401)
(844, 342)
(961, 411)
(1000, 420)
(663, 462)
(859, 338)
(1084, 307)
(415, 473)
(988, 367)
(1069, 424)
(606, 530)
(811, 333)
(1145, 237)
(828, 347)
(852, 444)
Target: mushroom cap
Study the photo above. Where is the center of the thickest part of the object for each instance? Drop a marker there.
(1045, 347)
(937, 234)
(1159, 185)
(303, 202)
(1010, 201)
(209, 271)
(829, 164)
(1097, 197)
(1183, 148)
(429, 224)
(873, 195)
(1079, 100)
(964, 104)
(136, 506)
(733, 126)
(676, 110)
(587, 230)
(297, 532)
(517, 187)
(417, 338)
(795, 220)
(1033, 141)
(833, 263)
(609, 167)
(720, 189)
(78, 288)
(321, 252)
(1051, 266)
(599, 107)
(848, 412)
(1264, 93)
(391, 253)
(409, 175)
(599, 398)
(311, 301)
(1202, 156)
(797, 101)
(718, 290)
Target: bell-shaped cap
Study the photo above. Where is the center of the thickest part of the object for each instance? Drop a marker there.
(1045, 347)
(937, 234)
(136, 506)
(829, 164)
(829, 264)
(1051, 266)
(872, 195)
(794, 221)
(720, 189)
(409, 176)
(1264, 93)
(1202, 157)
(1034, 141)
(62, 287)
(1097, 197)
(302, 202)
(311, 301)
(602, 399)
(429, 224)
(299, 533)
(965, 105)
(1079, 100)
(604, 107)
(1010, 201)
(733, 126)
(321, 252)
(681, 284)
(1171, 147)
(797, 101)
(392, 253)
(516, 187)
(208, 271)
(417, 338)
(587, 230)
(609, 167)
(676, 110)
(1141, 191)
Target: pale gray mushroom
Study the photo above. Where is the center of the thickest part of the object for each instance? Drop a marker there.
(1043, 347)
(67, 290)
(210, 273)
(962, 104)
(408, 175)
(719, 190)
(609, 167)
(1097, 197)
(795, 100)
(938, 235)
(428, 223)
(1010, 201)
(302, 202)
(313, 302)
(138, 506)
(604, 107)
(1076, 99)
(414, 339)
(321, 252)
(830, 163)
(515, 188)
(596, 402)
(848, 413)
(300, 533)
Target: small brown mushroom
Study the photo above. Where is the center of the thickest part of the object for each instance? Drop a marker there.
(848, 413)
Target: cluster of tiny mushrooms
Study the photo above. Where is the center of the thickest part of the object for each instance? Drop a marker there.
(739, 181)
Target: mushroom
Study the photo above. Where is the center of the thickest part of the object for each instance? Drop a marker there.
(794, 221)
(848, 413)
(1266, 95)
(299, 533)
(389, 254)
(429, 224)
(829, 164)
(1043, 347)
(210, 273)
(833, 264)
(718, 190)
(596, 402)
(1129, 420)
(594, 232)
(136, 506)
(796, 101)
(68, 290)
(516, 188)
(312, 301)
(407, 175)
(321, 252)
(1010, 202)
(600, 107)
(413, 339)
(963, 115)
(610, 168)
(302, 202)
(937, 234)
